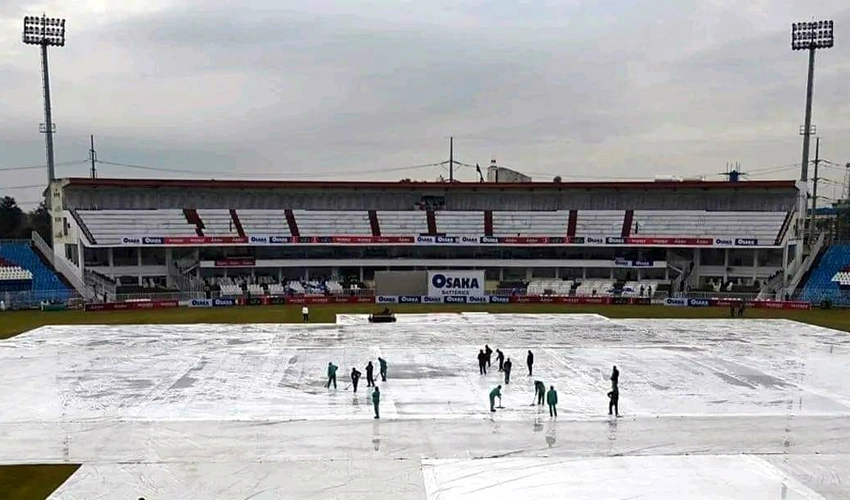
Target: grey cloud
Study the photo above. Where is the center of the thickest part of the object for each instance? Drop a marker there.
(621, 88)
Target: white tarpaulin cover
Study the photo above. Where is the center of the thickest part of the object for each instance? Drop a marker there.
(240, 411)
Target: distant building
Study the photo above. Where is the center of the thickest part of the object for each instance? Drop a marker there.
(496, 173)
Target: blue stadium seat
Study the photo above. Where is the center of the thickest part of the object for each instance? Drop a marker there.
(820, 286)
(46, 285)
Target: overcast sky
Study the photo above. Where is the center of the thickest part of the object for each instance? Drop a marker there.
(354, 89)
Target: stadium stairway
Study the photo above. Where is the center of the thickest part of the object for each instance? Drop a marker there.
(820, 286)
(46, 284)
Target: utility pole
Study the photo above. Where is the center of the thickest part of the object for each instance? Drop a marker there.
(847, 181)
(451, 159)
(93, 156)
(814, 194)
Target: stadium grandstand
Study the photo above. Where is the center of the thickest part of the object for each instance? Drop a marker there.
(141, 237)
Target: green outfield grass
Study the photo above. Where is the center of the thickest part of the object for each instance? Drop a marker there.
(32, 482)
(13, 323)
(37, 482)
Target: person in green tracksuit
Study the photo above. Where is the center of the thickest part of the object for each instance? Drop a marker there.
(383, 367)
(552, 399)
(331, 375)
(539, 391)
(376, 401)
(497, 392)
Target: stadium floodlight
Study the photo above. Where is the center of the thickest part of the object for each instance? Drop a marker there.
(811, 36)
(45, 32)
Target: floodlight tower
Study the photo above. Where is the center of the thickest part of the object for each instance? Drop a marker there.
(811, 35)
(45, 32)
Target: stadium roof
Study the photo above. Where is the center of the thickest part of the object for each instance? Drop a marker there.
(396, 185)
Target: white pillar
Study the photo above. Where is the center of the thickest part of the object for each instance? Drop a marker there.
(755, 263)
(725, 264)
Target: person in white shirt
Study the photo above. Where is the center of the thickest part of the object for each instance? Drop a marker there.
(305, 311)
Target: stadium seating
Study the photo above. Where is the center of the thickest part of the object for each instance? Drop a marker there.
(600, 222)
(763, 226)
(276, 289)
(403, 223)
(633, 288)
(554, 287)
(460, 223)
(14, 278)
(843, 277)
(217, 222)
(44, 282)
(230, 290)
(591, 288)
(333, 287)
(109, 226)
(824, 281)
(530, 223)
(256, 289)
(329, 223)
(295, 287)
(259, 222)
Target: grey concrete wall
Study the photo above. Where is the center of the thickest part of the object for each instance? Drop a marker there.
(401, 283)
(533, 199)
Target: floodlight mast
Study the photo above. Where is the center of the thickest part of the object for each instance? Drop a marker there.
(811, 36)
(45, 31)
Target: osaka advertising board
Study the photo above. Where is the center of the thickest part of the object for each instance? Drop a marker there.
(456, 283)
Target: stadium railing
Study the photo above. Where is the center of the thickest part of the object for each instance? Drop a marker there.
(720, 295)
(154, 297)
(31, 299)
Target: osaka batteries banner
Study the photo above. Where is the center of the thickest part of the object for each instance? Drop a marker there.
(455, 283)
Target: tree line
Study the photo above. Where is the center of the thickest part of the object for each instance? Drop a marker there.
(16, 224)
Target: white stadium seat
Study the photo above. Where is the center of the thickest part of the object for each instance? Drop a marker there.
(763, 226)
(600, 222)
(218, 222)
(525, 223)
(589, 288)
(460, 223)
(403, 222)
(260, 222)
(332, 223)
(554, 287)
(109, 226)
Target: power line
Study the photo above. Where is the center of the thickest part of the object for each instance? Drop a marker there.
(268, 174)
(7, 188)
(36, 167)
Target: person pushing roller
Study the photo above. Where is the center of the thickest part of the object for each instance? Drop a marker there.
(539, 391)
(355, 378)
(495, 393)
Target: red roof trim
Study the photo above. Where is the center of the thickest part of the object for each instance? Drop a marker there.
(475, 186)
